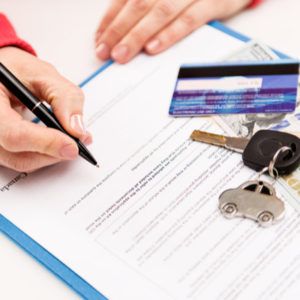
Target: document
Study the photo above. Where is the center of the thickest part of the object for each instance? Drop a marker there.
(146, 225)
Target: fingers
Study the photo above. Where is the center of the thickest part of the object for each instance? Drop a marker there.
(6, 111)
(135, 24)
(189, 20)
(25, 136)
(155, 25)
(111, 13)
(66, 100)
(159, 16)
(193, 17)
(25, 162)
(18, 135)
(127, 18)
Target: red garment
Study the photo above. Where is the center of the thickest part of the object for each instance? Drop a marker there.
(8, 36)
(255, 2)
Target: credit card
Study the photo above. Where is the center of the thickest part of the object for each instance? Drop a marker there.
(236, 88)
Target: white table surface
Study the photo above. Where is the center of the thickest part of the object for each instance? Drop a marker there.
(62, 33)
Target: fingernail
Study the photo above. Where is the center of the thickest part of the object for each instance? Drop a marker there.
(69, 151)
(153, 46)
(102, 51)
(76, 123)
(120, 53)
(87, 140)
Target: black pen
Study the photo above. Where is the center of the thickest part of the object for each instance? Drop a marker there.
(19, 90)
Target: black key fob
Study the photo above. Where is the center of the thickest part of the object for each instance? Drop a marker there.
(262, 147)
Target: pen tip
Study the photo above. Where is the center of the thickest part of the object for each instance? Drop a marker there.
(97, 166)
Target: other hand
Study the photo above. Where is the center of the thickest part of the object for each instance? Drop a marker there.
(130, 26)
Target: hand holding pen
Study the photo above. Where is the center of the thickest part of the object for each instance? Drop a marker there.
(25, 146)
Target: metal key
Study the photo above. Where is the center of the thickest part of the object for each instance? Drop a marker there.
(259, 151)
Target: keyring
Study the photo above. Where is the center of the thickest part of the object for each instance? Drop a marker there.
(271, 167)
(274, 174)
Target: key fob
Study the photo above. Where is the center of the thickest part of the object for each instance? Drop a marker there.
(262, 147)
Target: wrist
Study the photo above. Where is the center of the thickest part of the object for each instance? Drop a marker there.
(12, 54)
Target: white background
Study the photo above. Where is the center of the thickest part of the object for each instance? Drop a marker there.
(62, 33)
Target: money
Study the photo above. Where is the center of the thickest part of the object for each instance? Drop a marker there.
(253, 51)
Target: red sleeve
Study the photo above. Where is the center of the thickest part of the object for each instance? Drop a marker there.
(8, 36)
(255, 2)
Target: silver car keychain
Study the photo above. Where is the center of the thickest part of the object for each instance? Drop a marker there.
(256, 199)
(277, 153)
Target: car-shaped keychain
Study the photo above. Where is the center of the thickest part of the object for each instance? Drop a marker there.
(255, 200)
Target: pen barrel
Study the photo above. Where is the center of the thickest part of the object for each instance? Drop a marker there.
(17, 88)
(48, 117)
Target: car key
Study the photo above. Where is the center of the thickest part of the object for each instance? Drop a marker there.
(259, 151)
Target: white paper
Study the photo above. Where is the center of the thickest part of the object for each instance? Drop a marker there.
(146, 224)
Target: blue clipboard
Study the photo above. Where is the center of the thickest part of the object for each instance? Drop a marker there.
(58, 268)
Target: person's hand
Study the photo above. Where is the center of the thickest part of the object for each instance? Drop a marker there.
(130, 26)
(26, 146)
